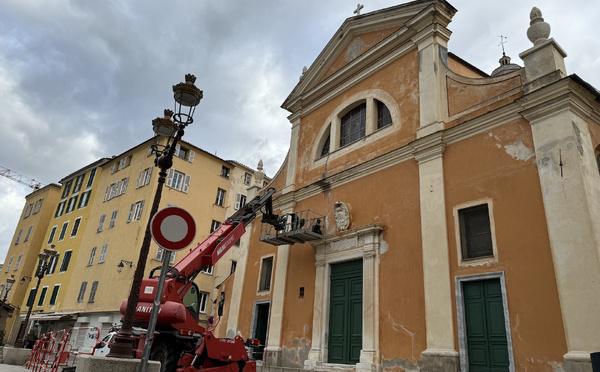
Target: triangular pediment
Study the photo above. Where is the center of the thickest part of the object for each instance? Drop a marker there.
(356, 38)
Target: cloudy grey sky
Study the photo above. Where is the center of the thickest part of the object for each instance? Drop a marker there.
(83, 79)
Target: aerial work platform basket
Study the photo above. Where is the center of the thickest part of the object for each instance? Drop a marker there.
(295, 227)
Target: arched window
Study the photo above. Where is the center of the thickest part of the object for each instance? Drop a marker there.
(325, 146)
(384, 118)
(353, 125)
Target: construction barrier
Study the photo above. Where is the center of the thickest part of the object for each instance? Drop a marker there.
(56, 349)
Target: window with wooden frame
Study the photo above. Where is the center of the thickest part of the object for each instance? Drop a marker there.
(214, 225)
(91, 258)
(52, 261)
(103, 252)
(266, 268)
(247, 178)
(91, 178)
(28, 234)
(101, 223)
(225, 171)
(220, 199)
(113, 219)
(384, 117)
(93, 290)
(78, 183)
(42, 296)
(178, 180)
(54, 294)
(475, 232)
(65, 262)
(81, 295)
(353, 125)
(76, 226)
(18, 239)
(52, 233)
(31, 297)
(203, 296)
(63, 231)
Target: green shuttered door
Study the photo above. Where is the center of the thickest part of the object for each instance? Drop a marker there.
(486, 334)
(345, 313)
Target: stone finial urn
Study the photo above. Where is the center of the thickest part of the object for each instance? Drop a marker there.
(538, 30)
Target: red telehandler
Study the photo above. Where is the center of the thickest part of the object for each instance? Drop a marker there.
(180, 343)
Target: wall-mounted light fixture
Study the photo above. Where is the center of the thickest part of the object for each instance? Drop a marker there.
(124, 263)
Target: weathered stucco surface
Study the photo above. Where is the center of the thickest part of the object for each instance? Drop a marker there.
(462, 96)
(358, 45)
(400, 80)
(479, 168)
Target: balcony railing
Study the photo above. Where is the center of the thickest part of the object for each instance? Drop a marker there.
(297, 227)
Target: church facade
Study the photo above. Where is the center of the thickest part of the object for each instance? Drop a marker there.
(434, 217)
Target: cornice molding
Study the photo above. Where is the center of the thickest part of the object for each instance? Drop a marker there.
(373, 229)
(422, 149)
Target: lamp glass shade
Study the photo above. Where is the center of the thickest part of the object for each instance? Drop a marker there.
(164, 127)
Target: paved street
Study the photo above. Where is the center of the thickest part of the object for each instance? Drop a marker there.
(9, 368)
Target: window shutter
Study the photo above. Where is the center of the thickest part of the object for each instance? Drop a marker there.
(169, 177)
(113, 168)
(177, 149)
(140, 179)
(148, 176)
(186, 183)
(191, 156)
(140, 210)
(130, 213)
(237, 201)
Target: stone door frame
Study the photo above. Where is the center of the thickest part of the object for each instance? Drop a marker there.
(462, 321)
(362, 243)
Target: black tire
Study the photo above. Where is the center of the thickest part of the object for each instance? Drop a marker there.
(165, 351)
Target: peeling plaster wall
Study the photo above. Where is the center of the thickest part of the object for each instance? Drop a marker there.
(400, 80)
(355, 47)
(499, 165)
(462, 96)
(389, 197)
(460, 69)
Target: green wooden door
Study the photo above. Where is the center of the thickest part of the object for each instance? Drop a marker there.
(345, 313)
(486, 334)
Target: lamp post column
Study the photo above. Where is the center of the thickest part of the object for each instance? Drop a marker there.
(187, 96)
(123, 344)
(41, 270)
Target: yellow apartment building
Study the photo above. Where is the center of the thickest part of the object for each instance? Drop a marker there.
(245, 184)
(19, 263)
(96, 223)
(63, 233)
(199, 182)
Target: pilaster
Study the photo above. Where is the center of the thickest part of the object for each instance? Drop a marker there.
(565, 163)
(436, 265)
(432, 47)
(290, 177)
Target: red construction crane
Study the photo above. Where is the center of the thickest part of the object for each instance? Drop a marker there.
(181, 344)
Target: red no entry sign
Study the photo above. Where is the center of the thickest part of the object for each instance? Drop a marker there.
(173, 228)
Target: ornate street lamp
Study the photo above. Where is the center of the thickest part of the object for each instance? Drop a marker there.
(44, 260)
(170, 127)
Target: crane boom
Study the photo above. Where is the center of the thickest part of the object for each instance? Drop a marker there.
(12, 175)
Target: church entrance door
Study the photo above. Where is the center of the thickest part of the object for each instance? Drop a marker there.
(345, 312)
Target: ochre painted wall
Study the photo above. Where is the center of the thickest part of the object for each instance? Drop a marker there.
(400, 80)
(500, 165)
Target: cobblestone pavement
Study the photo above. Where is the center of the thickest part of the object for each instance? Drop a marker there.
(9, 368)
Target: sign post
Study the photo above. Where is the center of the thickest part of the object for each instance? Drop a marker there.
(172, 229)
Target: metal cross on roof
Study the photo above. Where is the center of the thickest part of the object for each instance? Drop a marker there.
(502, 42)
(358, 8)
